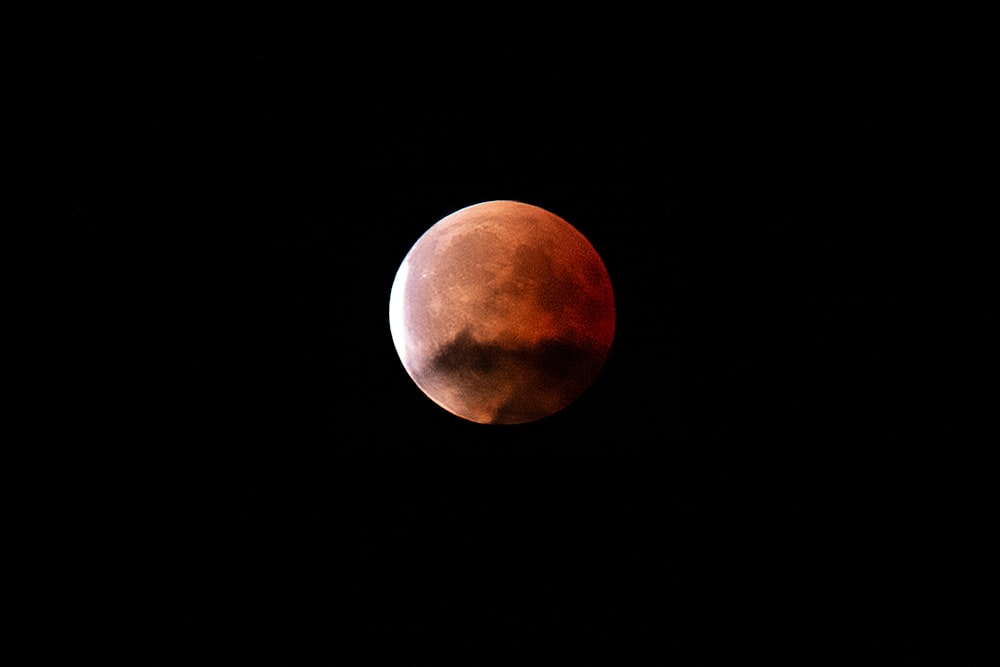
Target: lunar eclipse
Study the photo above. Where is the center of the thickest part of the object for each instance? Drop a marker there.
(502, 313)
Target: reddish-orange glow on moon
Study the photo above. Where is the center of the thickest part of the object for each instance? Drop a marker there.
(502, 313)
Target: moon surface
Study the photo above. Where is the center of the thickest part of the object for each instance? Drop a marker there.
(502, 313)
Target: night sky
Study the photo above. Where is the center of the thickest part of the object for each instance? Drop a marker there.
(233, 215)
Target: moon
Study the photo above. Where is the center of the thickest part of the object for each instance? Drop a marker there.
(502, 313)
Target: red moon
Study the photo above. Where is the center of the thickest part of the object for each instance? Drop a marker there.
(502, 313)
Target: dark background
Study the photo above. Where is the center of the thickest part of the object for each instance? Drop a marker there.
(233, 204)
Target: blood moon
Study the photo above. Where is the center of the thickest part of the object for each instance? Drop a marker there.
(502, 313)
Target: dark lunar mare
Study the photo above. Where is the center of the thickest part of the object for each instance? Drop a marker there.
(550, 371)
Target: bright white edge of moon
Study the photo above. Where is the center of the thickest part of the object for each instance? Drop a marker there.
(396, 311)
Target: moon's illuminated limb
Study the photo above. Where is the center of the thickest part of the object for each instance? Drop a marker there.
(396, 311)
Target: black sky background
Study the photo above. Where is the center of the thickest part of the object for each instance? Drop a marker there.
(737, 482)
